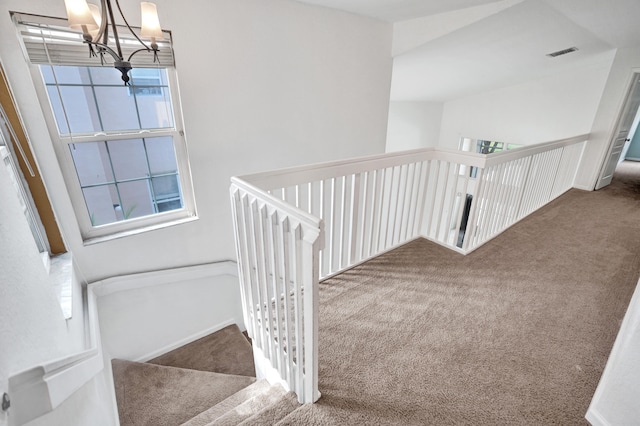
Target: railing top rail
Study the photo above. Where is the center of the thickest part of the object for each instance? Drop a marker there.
(319, 171)
(528, 150)
(304, 217)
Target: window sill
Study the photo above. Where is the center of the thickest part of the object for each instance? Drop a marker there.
(123, 234)
(61, 278)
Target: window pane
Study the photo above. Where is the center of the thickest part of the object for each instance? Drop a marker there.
(129, 159)
(101, 204)
(58, 112)
(167, 192)
(165, 187)
(105, 76)
(116, 181)
(80, 108)
(92, 163)
(168, 205)
(96, 99)
(123, 178)
(65, 75)
(117, 108)
(136, 199)
(154, 105)
(162, 157)
(155, 76)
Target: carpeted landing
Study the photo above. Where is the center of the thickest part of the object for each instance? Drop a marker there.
(516, 333)
(207, 382)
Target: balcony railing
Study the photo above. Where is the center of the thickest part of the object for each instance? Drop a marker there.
(297, 226)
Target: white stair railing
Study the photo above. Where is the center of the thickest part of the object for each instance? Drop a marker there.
(277, 248)
(297, 226)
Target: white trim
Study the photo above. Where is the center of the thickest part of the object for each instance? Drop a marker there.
(141, 230)
(97, 234)
(186, 340)
(594, 417)
(583, 187)
(163, 276)
(628, 331)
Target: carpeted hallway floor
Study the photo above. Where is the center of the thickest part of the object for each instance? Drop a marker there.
(516, 333)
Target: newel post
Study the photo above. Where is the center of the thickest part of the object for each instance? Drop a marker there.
(311, 244)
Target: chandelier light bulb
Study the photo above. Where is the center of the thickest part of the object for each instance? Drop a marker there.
(95, 12)
(150, 22)
(79, 15)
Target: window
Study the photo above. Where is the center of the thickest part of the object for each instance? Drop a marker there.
(490, 147)
(122, 142)
(24, 197)
(482, 147)
(121, 148)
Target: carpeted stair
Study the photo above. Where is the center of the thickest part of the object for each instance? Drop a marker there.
(207, 382)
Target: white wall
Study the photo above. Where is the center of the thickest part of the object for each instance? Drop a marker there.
(616, 399)
(264, 85)
(153, 313)
(32, 327)
(413, 125)
(556, 107)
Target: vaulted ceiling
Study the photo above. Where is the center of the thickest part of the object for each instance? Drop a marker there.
(447, 49)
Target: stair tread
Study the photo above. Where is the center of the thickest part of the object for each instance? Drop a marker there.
(226, 351)
(206, 417)
(250, 407)
(142, 397)
(273, 413)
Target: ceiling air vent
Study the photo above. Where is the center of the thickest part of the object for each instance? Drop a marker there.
(562, 52)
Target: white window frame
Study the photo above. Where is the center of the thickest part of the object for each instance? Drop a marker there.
(28, 206)
(93, 234)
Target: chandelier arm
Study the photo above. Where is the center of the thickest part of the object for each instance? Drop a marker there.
(139, 50)
(115, 29)
(105, 48)
(102, 31)
(129, 27)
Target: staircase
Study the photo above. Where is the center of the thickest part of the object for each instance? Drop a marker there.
(207, 382)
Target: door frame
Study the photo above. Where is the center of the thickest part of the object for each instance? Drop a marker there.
(634, 79)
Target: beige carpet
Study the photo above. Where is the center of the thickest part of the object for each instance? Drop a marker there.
(155, 395)
(225, 351)
(175, 387)
(516, 333)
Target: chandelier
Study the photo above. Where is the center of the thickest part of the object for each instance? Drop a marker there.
(95, 22)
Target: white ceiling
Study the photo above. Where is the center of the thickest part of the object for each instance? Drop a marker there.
(397, 10)
(461, 47)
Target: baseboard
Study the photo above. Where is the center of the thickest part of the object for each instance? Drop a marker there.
(182, 342)
(594, 417)
(583, 187)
